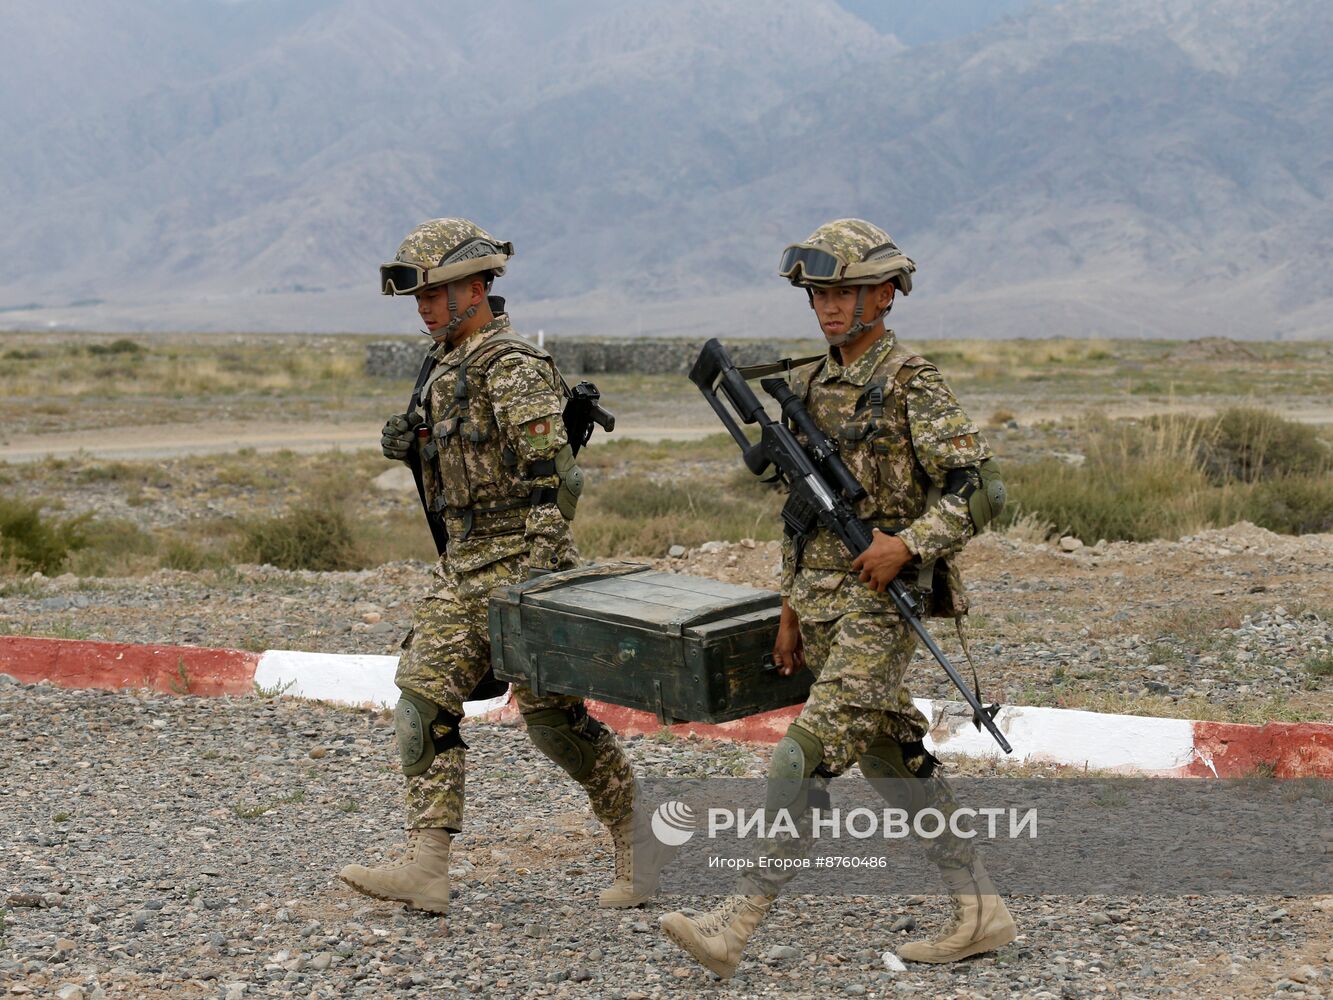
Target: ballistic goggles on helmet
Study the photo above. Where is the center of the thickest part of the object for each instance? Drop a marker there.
(398, 277)
(802, 262)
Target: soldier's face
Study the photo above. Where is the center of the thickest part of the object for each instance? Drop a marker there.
(433, 302)
(836, 306)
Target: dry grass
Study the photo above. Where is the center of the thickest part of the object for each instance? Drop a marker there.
(1153, 479)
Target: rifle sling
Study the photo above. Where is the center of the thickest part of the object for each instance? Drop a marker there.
(750, 372)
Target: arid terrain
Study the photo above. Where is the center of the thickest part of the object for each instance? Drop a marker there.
(177, 847)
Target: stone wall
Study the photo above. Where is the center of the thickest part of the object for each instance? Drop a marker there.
(577, 356)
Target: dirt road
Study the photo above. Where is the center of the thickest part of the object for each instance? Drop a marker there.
(214, 438)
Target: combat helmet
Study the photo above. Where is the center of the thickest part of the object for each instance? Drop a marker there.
(441, 251)
(848, 252)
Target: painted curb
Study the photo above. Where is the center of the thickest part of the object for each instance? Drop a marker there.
(171, 669)
(1128, 744)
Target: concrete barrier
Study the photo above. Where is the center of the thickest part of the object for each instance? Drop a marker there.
(1130, 744)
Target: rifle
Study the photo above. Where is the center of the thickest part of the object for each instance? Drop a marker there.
(821, 489)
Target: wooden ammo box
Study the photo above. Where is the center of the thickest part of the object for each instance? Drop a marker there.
(687, 648)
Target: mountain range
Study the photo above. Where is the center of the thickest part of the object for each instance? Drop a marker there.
(1105, 167)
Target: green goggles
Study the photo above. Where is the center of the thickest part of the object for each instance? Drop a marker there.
(815, 264)
(820, 265)
(403, 278)
(397, 278)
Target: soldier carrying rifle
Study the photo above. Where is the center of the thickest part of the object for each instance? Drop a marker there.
(929, 485)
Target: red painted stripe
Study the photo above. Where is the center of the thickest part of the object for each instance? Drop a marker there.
(1284, 749)
(172, 669)
(767, 727)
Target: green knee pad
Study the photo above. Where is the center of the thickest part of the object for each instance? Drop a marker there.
(887, 769)
(795, 759)
(568, 738)
(423, 729)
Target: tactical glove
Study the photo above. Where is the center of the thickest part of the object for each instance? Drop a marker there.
(397, 438)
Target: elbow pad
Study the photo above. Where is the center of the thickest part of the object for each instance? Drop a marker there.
(570, 476)
(571, 482)
(981, 488)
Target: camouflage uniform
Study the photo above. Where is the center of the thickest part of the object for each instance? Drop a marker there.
(920, 459)
(474, 471)
(899, 430)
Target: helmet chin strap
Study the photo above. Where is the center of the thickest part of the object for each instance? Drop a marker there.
(456, 319)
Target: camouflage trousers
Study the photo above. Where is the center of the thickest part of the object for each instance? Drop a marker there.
(445, 655)
(859, 698)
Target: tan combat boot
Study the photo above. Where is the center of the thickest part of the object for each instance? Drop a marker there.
(420, 878)
(715, 940)
(640, 858)
(981, 920)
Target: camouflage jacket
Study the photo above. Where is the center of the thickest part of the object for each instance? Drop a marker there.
(494, 412)
(899, 429)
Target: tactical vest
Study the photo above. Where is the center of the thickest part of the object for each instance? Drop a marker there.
(870, 425)
(470, 474)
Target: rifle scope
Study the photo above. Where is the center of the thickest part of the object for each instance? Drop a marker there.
(821, 449)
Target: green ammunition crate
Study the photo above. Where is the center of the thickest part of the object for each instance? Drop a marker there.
(684, 647)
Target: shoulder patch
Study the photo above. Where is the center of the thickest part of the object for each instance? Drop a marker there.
(963, 442)
(540, 433)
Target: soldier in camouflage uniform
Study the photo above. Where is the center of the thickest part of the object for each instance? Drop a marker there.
(931, 485)
(496, 464)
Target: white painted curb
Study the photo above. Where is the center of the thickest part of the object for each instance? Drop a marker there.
(1128, 744)
(1066, 736)
(344, 678)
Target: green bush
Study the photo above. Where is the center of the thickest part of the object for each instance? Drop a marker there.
(31, 542)
(183, 554)
(1293, 504)
(318, 531)
(636, 516)
(122, 346)
(1247, 444)
(114, 547)
(1174, 475)
(305, 537)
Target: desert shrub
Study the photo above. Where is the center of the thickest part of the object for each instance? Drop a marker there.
(1162, 479)
(1138, 482)
(184, 554)
(398, 535)
(1248, 443)
(634, 515)
(114, 547)
(122, 346)
(304, 537)
(317, 531)
(30, 541)
(111, 472)
(1292, 504)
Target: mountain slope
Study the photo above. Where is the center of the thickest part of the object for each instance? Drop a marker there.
(1113, 166)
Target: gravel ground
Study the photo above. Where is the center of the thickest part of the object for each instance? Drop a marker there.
(176, 847)
(1230, 624)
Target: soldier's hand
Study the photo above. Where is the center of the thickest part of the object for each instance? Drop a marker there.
(789, 649)
(397, 437)
(880, 563)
